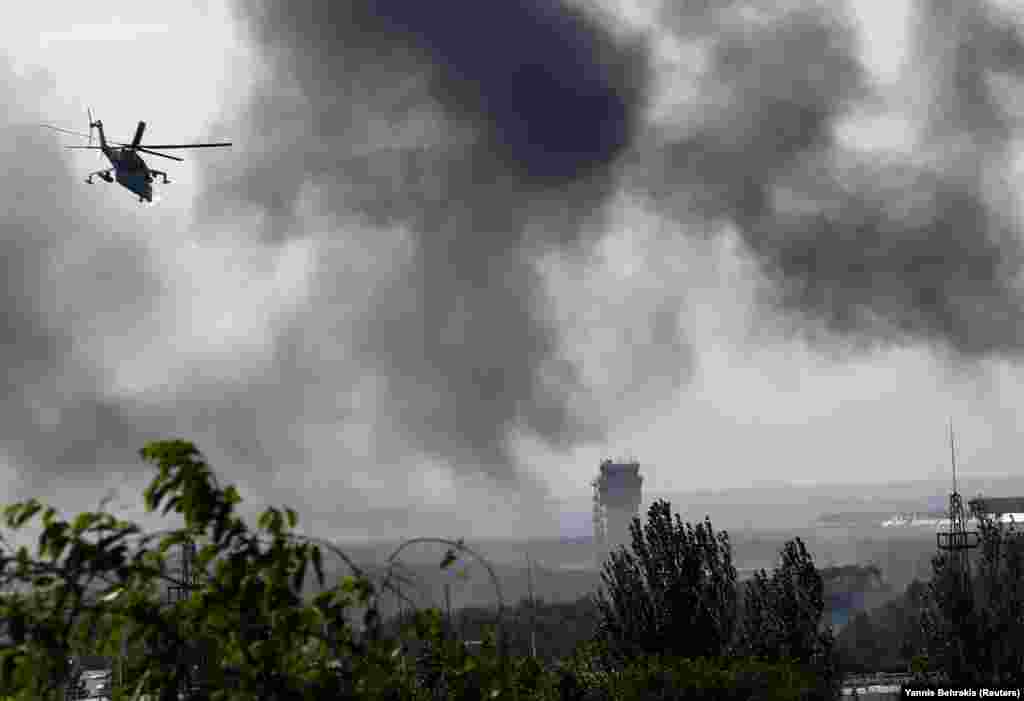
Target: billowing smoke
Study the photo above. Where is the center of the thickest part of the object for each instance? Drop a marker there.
(69, 283)
(490, 132)
(478, 136)
(871, 247)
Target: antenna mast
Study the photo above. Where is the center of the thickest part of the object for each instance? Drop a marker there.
(958, 541)
(952, 454)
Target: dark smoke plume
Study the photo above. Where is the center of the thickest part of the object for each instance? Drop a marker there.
(479, 135)
(488, 130)
(872, 249)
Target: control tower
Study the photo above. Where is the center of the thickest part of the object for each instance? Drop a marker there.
(617, 494)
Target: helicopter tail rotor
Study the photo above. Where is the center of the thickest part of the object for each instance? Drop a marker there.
(88, 111)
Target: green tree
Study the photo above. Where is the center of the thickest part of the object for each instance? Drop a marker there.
(782, 613)
(975, 634)
(674, 594)
(886, 639)
(95, 583)
(782, 616)
(95, 579)
(999, 590)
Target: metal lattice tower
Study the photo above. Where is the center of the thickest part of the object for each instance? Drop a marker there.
(958, 541)
(191, 656)
(189, 577)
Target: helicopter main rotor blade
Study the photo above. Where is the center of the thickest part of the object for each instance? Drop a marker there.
(66, 131)
(87, 148)
(83, 135)
(138, 134)
(157, 153)
(109, 143)
(167, 146)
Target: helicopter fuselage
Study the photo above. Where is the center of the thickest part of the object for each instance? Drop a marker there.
(131, 172)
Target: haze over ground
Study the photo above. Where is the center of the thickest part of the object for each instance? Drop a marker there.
(443, 273)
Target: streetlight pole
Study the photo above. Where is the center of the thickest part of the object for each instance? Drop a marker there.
(533, 607)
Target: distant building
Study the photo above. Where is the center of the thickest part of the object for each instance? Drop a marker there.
(917, 519)
(1000, 509)
(617, 496)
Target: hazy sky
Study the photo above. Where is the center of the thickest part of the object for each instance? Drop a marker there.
(452, 262)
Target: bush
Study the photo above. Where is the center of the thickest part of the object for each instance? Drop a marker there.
(660, 677)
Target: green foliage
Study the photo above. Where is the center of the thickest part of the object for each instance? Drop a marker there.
(975, 635)
(999, 590)
(584, 677)
(95, 580)
(97, 584)
(782, 616)
(675, 596)
(887, 639)
(782, 613)
(559, 627)
(656, 678)
(444, 668)
(677, 578)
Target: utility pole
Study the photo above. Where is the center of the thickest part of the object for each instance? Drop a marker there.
(533, 607)
(124, 656)
(398, 595)
(448, 608)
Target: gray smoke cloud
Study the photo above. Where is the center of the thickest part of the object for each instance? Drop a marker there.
(477, 137)
(72, 277)
(965, 53)
(869, 248)
(488, 147)
(433, 168)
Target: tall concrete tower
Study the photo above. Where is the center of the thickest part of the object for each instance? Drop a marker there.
(617, 495)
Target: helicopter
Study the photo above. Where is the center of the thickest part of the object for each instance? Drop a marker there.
(129, 170)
